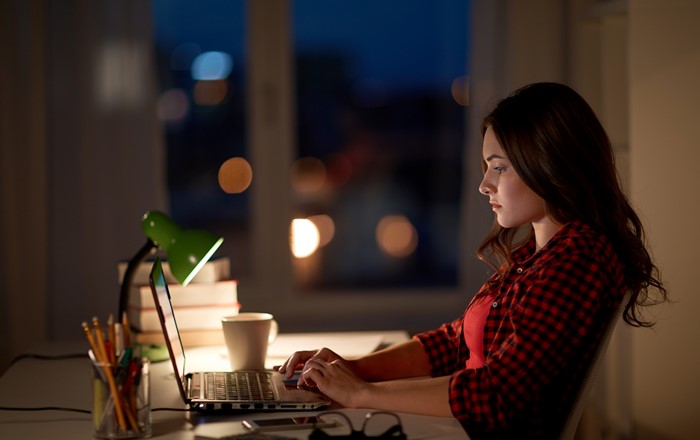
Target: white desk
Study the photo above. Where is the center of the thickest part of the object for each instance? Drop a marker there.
(66, 383)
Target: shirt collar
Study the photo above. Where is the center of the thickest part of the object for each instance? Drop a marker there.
(526, 254)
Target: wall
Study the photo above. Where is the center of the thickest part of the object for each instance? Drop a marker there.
(664, 59)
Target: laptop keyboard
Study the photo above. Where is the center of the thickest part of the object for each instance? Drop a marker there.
(238, 385)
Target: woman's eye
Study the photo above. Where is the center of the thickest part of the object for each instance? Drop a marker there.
(499, 170)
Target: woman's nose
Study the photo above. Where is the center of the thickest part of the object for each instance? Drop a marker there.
(484, 188)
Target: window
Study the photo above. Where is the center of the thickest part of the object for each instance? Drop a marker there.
(370, 147)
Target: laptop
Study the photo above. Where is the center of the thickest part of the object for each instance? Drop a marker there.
(207, 391)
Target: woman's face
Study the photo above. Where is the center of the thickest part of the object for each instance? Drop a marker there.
(514, 203)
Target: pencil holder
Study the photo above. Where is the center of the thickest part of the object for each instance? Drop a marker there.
(121, 399)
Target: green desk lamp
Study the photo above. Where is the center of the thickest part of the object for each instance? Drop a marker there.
(187, 251)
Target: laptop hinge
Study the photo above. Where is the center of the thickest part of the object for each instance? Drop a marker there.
(193, 387)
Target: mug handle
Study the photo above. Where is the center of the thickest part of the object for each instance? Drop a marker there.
(274, 329)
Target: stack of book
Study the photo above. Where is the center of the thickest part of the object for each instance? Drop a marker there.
(199, 306)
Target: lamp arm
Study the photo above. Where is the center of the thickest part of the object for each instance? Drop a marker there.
(134, 263)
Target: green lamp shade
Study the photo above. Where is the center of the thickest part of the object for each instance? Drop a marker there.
(187, 250)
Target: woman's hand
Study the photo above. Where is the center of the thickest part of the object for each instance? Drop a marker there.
(336, 380)
(299, 360)
(369, 381)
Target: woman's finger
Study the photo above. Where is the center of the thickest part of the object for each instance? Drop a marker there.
(308, 378)
(312, 373)
(293, 363)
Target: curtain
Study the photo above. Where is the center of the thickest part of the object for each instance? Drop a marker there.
(82, 159)
(23, 178)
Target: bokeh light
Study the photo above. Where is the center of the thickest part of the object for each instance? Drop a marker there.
(210, 92)
(173, 105)
(211, 66)
(325, 226)
(304, 237)
(460, 90)
(308, 175)
(396, 236)
(235, 175)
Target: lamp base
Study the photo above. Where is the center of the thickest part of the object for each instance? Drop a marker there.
(155, 352)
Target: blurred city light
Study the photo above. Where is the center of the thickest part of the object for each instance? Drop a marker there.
(210, 66)
(308, 175)
(460, 90)
(235, 175)
(172, 105)
(325, 226)
(304, 237)
(396, 236)
(210, 92)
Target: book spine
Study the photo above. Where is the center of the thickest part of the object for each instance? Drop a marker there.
(220, 293)
(189, 338)
(204, 317)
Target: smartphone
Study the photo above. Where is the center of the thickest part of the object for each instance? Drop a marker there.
(286, 423)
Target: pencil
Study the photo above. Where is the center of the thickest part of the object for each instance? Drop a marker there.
(126, 329)
(100, 340)
(112, 339)
(91, 339)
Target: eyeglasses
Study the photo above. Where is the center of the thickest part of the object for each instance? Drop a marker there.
(377, 425)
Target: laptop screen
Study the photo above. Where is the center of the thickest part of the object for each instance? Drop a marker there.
(165, 310)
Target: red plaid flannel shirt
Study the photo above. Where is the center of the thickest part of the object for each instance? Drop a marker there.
(547, 317)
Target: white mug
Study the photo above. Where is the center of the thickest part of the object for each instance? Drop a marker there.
(247, 336)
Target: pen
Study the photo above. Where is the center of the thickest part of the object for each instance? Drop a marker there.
(133, 371)
(125, 358)
(122, 365)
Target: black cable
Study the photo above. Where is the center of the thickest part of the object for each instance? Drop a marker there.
(84, 411)
(170, 409)
(47, 358)
(45, 408)
(60, 408)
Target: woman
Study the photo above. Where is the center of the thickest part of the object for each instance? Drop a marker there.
(566, 246)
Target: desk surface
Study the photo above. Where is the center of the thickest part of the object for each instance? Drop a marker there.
(31, 383)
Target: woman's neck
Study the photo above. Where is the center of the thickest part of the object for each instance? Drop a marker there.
(545, 229)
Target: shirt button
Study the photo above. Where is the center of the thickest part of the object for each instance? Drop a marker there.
(494, 304)
(519, 270)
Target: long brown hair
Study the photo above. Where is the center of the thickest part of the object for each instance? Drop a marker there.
(561, 151)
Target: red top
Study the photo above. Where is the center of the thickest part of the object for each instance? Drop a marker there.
(546, 319)
(474, 321)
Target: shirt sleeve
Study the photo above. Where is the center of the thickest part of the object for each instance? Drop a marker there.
(442, 346)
